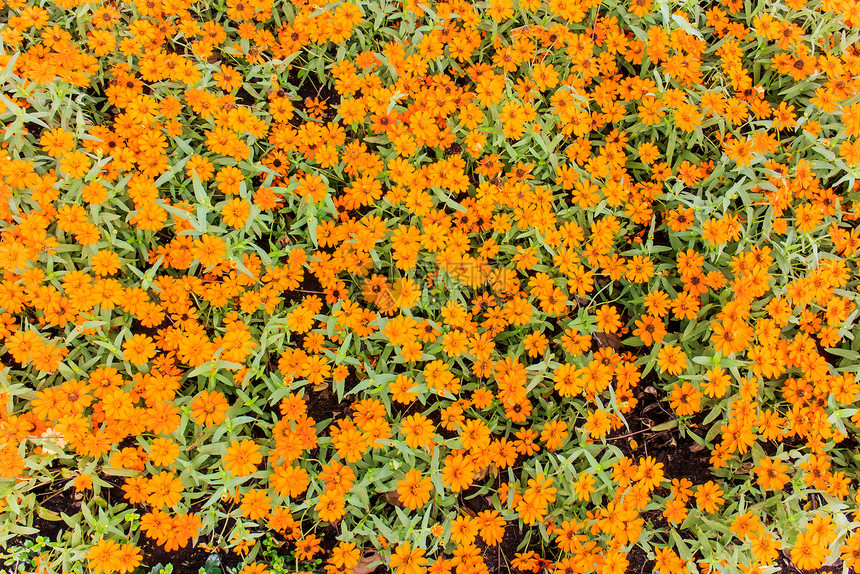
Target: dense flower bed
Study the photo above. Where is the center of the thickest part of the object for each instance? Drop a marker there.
(460, 287)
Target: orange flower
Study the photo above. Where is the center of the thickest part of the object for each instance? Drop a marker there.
(808, 553)
(236, 212)
(242, 457)
(685, 399)
(771, 473)
(75, 164)
(649, 473)
(419, 431)
(164, 489)
(130, 558)
(255, 504)
(641, 7)
(709, 497)
(851, 550)
(57, 141)
(337, 477)
(209, 408)
(584, 486)
(405, 560)
(105, 262)
(307, 547)
(672, 360)
(458, 472)
(331, 506)
(597, 423)
(676, 511)
(650, 329)
(491, 526)
(608, 319)
(289, 481)
(163, 451)
(139, 350)
(105, 557)
(209, 250)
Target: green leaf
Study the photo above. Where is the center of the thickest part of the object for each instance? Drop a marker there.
(665, 426)
(212, 565)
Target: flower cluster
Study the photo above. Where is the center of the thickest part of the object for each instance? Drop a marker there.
(409, 281)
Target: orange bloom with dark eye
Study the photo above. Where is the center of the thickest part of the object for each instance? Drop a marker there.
(672, 360)
(650, 329)
(458, 473)
(405, 560)
(680, 220)
(771, 473)
(209, 408)
(641, 7)
(685, 399)
(307, 547)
